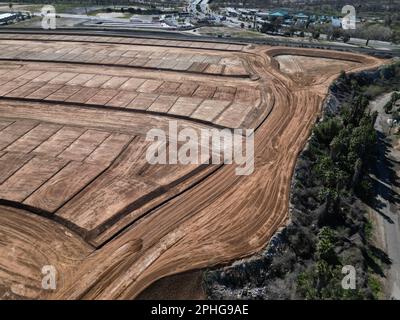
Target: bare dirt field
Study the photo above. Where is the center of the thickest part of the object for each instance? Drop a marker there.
(76, 191)
(308, 69)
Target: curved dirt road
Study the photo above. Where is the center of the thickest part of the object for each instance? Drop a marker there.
(225, 217)
(212, 217)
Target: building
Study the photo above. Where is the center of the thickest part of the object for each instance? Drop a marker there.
(301, 17)
(279, 14)
(243, 11)
(263, 15)
(230, 12)
(336, 22)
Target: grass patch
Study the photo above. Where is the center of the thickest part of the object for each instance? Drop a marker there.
(373, 91)
(368, 229)
(375, 286)
(64, 7)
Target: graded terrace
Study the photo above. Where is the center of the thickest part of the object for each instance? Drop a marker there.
(76, 190)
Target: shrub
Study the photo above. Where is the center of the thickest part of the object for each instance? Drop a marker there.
(326, 246)
(373, 91)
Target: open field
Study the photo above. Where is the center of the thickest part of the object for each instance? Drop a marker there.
(74, 113)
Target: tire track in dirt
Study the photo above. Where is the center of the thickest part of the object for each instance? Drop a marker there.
(223, 216)
(226, 216)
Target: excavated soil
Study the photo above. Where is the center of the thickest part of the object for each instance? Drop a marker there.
(76, 191)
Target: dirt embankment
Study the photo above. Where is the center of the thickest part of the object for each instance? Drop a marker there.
(273, 273)
(247, 278)
(216, 218)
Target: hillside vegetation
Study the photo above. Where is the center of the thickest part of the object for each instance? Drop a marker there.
(329, 227)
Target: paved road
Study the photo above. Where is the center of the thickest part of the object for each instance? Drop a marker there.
(203, 4)
(156, 34)
(388, 217)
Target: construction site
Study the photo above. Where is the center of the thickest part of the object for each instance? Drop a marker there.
(76, 190)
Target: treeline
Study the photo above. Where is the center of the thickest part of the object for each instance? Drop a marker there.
(138, 11)
(327, 5)
(329, 226)
(337, 169)
(393, 106)
(340, 154)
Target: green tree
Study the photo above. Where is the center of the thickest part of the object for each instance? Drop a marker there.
(316, 35)
(266, 27)
(326, 246)
(327, 130)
